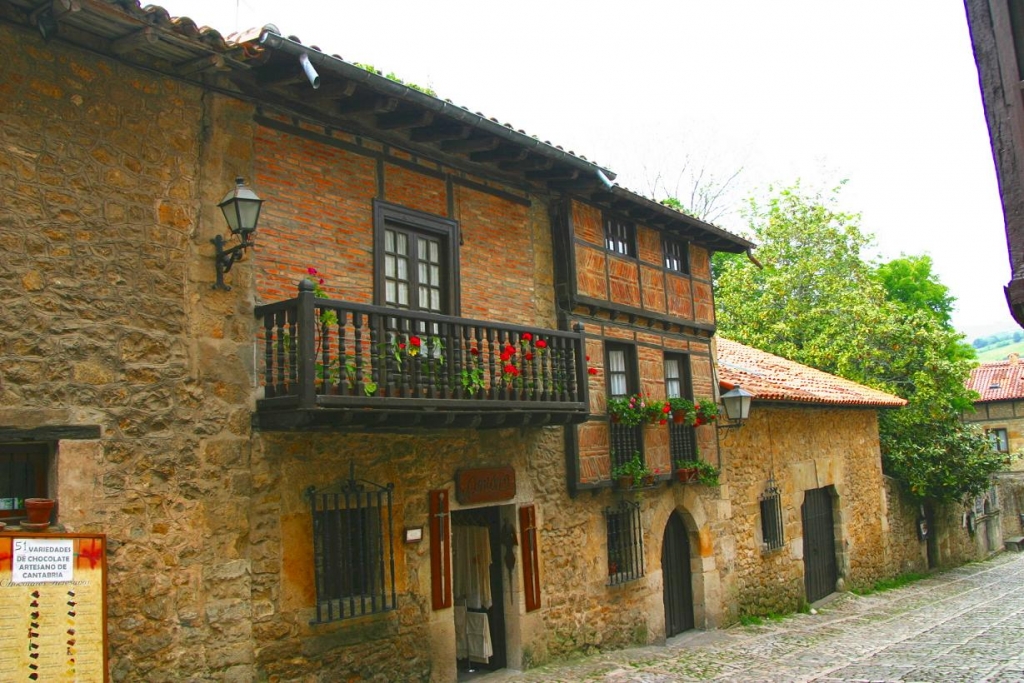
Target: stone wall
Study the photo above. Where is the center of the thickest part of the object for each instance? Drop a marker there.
(107, 278)
(806, 448)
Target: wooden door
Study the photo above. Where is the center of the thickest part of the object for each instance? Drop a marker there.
(676, 577)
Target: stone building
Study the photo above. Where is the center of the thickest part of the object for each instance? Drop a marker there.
(377, 443)
(999, 410)
(809, 508)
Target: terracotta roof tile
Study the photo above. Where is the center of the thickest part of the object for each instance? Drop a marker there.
(999, 381)
(773, 378)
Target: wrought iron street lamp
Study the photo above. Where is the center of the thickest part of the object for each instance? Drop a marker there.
(737, 406)
(241, 209)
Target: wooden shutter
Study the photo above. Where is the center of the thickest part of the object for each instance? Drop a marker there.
(440, 550)
(531, 564)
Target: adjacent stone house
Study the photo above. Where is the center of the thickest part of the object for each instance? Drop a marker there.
(999, 410)
(377, 443)
(810, 508)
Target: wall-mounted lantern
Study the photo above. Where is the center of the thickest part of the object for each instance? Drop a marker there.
(241, 209)
(737, 407)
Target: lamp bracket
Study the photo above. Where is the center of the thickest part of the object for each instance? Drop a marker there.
(225, 258)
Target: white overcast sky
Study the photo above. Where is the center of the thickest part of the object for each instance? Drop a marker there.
(883, 94)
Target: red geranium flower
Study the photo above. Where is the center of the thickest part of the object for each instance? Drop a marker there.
(588, 357)
(667, 408)
(592, 371)
(414, 340)
(528, 356)
(505, 356)
(541, 344)
(311, 270)
(510, 350)
(527, 336)
(511, 370)
(475, 351)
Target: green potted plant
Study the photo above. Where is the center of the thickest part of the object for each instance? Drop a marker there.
(657, 412)
(632, 473)
(707, 473)
(707, 411)
(683, 411)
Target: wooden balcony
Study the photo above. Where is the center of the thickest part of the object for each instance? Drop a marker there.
(329, 365)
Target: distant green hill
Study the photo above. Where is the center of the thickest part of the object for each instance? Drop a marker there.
(990, 353)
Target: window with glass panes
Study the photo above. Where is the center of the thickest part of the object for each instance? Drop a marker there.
(999, 438)
(413, 265)
(619, 236)
(417, 260)
(677, 257)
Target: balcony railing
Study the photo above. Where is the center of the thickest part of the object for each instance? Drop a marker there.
(328, 364)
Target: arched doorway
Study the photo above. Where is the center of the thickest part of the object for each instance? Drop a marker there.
(676, 577)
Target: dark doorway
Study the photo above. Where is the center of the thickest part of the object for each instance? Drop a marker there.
(820, 570)
(469, 524)
(677, 578)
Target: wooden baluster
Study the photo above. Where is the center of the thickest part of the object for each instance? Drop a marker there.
(292, 348)
(490, 362)
(378, 370)
(354, 372)
(268, 355)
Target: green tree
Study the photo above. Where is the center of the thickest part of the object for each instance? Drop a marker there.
(816, 300)
(910, 280)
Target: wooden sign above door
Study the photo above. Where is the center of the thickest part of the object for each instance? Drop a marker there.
(485, 485)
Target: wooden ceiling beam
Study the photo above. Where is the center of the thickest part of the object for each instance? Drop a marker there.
(199, 65)
(561, 173)
(577, 185)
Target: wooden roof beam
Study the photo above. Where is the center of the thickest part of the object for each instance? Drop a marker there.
(134, 40)
(404, 119)
(527, 164)
(561, 173)
(507, 153)
(440, 131)
(199, 65)
(470, 145)
(377, 105)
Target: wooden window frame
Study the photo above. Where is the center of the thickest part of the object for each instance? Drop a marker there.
(386, 214)
(620, 236)
(682, 439)
(677, 255)
(624, 440)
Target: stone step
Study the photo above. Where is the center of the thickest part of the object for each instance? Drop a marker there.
(1015, 544)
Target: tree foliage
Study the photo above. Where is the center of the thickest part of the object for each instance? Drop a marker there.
(818, 302)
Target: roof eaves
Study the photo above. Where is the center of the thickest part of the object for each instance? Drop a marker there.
(339, 66)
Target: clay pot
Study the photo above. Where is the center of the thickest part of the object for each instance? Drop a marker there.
(687, 475)
(39, 510)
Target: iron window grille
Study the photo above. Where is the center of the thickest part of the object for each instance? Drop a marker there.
(681, 437)
(677, 256)
(353, 549)
(772, 534)
(625, 542)
(625, 440)
(620, 237)
(620, 368)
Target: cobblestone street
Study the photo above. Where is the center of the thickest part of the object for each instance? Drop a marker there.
(965, 624)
